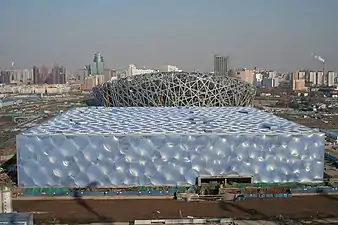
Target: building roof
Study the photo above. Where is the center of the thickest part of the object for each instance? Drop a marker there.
(173, 120)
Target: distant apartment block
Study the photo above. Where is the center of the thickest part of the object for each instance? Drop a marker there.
(81, 75)
(109, 74)
(97, 67)
(258, 78)
(57, 76)
(301, 74)
(92, 81)
(331, 78)
(24, 76)
(133, 70)
(317, 78)
(221, 65)
(320, 78)
(170, 68)
(298, 85)
(312, 78)
(245, 75)
(270, 82)
(272, 74)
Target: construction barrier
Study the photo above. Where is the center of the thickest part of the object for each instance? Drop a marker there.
(165, 191)
(46, 191)
(73, 192)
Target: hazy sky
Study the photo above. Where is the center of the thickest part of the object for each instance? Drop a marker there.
(276, 34)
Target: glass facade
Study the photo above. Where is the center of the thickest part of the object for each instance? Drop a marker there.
(98, 64)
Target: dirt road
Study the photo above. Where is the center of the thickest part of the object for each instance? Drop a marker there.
(84, 211)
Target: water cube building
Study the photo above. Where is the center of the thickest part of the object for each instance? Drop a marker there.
(173, 146)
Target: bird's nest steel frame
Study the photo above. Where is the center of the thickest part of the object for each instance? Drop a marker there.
(174, 89)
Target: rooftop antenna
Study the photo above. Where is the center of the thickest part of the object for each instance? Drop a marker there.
(322, 61)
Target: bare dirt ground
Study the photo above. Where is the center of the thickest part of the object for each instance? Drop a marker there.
(85, 211)
(311, 122)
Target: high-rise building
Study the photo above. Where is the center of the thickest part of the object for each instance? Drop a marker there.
(272, 74)
(320, 78)
(5, 77)
(16, 76)
(89, 69)
(36, 75)
(245, 75)
(57, 76)
(313, 78)
(298, 85)
(98, 64)
(27, 76)
(221, 65)
(331, 78)
(109, 74)
(92, 81)
(82, 74)
(257, 79)
(44, 73)
(301, 74)
(270, 82)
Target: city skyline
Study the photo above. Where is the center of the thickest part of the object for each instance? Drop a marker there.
(272, 34)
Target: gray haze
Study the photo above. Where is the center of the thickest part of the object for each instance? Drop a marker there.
(273, 34)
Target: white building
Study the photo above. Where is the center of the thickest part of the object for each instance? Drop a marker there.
(258, 78)
(331, 77)
(301, 74)
(272, 74)
(320, 78)
(313, 77)
(27, 75)
(132, 70)
(170, 68)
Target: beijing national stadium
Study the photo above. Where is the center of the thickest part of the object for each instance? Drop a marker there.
(170, 89)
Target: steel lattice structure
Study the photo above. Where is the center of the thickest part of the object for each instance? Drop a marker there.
(174, 89)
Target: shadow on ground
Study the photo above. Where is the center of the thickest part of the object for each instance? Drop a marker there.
(98, 217)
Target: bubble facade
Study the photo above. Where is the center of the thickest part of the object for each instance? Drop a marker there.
(166, 146)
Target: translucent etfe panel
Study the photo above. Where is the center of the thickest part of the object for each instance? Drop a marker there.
(159, 160)
(184, 120)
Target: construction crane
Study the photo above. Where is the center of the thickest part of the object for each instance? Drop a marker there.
(322, 61)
